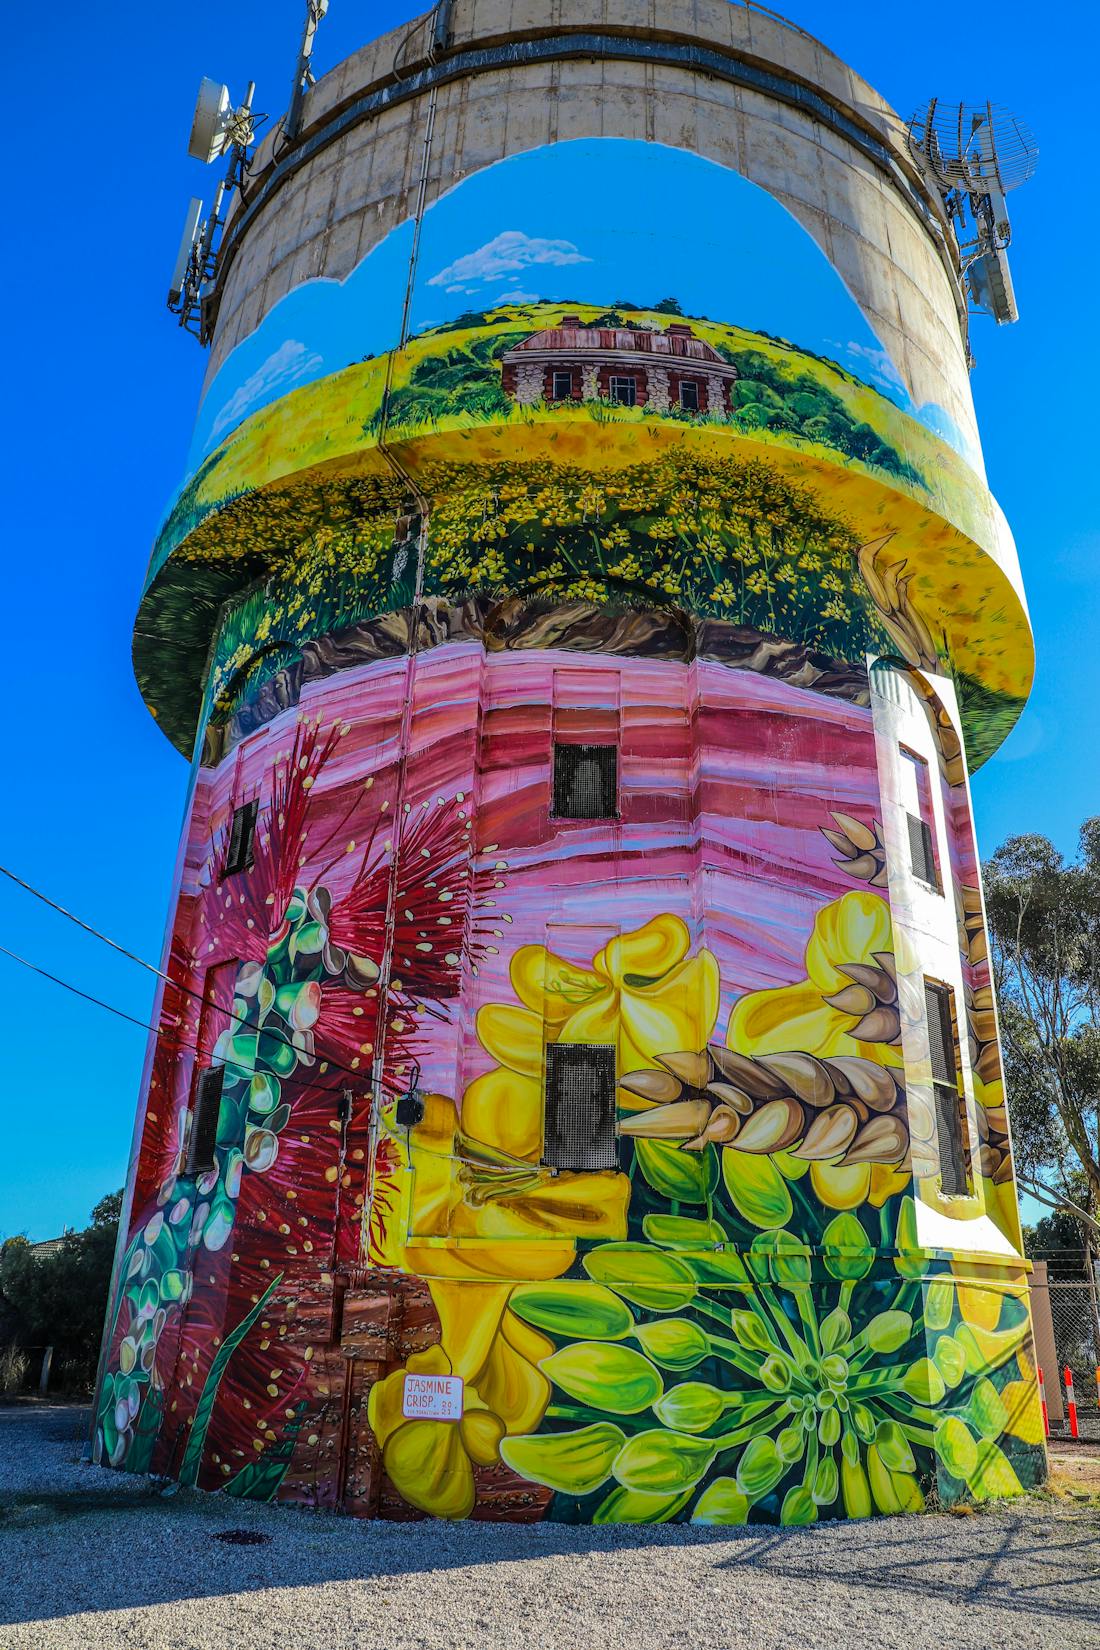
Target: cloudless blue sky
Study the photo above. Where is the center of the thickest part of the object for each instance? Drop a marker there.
(100, 392)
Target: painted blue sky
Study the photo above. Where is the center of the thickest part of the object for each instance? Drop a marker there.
(101, 389)
(538, 226)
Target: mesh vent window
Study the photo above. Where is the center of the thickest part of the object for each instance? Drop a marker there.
(586, 781)
(921, 856)
(580, 1107)
(242, 835)
(916, 799)
(950, 1126)
(941, 1034)
(204, 1121)
(953, 1179)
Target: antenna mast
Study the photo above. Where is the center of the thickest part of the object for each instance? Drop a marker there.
(218, 129)
(974, 156)
(303, 74)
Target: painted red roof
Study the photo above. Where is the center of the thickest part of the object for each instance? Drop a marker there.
(676, 341)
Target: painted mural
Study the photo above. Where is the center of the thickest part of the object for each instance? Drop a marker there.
(561, 224)
(402, 578)
(742, 1322)
(755, 513)
(556, 341)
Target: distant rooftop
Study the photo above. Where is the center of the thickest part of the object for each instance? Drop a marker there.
(573, 334)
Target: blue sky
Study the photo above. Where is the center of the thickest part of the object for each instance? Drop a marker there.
(100, 395)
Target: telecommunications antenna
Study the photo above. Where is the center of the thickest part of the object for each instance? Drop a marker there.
(186, 252)
(975, 154)
(213, 119)
(218, 128)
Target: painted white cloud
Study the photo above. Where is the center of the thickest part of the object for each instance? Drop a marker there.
(517, 297)
(291, 362)
(882, 368)
(505, 255)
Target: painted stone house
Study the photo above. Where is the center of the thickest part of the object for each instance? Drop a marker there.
(633, 365)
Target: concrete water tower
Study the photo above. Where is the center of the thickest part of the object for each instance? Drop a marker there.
(578, 1092)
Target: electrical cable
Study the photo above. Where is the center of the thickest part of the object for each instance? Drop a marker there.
(87, 927)
(193, 1048)
(76, 991)
(177, 985)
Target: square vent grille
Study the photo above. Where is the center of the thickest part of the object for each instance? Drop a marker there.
(580, 1107)
(204, 1121)
(586, 781)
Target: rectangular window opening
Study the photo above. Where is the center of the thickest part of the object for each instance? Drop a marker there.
(581, 1133)
(916, 798)
(689, 395)
(922, 858)
(624, 391)
(586, 781)
(204, 1121)
(242, 835)
(952, 1132)
(563, 386)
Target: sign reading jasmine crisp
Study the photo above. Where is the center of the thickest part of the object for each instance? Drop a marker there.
(432, 1397)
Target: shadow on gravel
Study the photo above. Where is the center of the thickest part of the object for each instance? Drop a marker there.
(898, 1557)
(59, 1546)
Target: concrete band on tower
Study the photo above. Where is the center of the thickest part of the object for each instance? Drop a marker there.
(578, 1092)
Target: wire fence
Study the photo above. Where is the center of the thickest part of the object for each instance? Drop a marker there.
(1066, 1313)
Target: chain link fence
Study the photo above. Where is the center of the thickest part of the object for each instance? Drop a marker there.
(1066, 1314)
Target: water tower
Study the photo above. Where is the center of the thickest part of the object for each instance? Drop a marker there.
(577, 1092)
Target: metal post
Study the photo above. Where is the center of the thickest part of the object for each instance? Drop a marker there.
(44, 1377)
(315, 10)
(1091, 1268)
(1071, 1404)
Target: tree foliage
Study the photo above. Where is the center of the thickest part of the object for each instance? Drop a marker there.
(59, 1300)
(1044, 920)
(1059, 1238)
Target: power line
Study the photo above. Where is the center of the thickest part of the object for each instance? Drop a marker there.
(193, 1048)
(76, 991)
(182, 1042)
(87, 927)
(151, 968)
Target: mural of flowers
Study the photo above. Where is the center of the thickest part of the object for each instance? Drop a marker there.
(302, 1019)
(738, 1322)
(505, 1394)
(696, 1381)
(731, 537)
(383, 594)
(762, 1336)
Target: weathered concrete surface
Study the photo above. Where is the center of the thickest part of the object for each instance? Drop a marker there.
(89, 1557)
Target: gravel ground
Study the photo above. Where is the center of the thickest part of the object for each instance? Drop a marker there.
(89, 1557)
